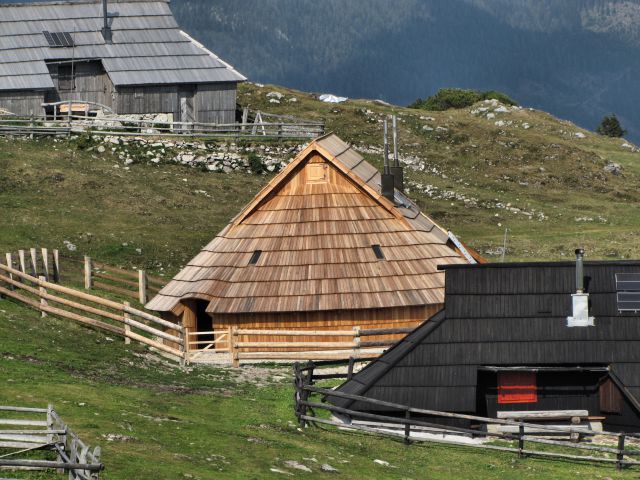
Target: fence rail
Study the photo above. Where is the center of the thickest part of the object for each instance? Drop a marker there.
(67, 123)
(42, 429)
(115, 317)
(408, 422)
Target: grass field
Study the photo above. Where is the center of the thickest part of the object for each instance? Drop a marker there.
(207, 422)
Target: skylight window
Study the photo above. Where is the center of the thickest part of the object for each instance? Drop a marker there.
(59, 39)
(377, 249)
(255, 257)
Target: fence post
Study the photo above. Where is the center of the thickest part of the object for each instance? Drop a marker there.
(43, 301)
(185, 345)
(620, 454)
(407, 427)
(45, 262)
(235, 355)
(127, 327)
(34, 261)
(245, 118)
(142, 286)
(56, 266)
(88, 280)
(10, 265)
(32, 126)
(521, 440)
(352, 364)
(356, 341)
(23, 265)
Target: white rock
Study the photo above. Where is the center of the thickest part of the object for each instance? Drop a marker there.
(128, 161)
(325, 467)
(186, 158)
(381, 462)
(297, 466)
(579, 135)
(427, 128)
(491, 115)
(626, 145)
(101, 149)
(292, 100)
(277, 470)
(274, 100)
(501, 109)
(526, 126)
(500, 123)
(277, 95)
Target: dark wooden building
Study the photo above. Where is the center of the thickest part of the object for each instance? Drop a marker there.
(511, 339)
(128, 55)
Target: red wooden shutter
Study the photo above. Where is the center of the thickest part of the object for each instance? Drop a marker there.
(517, 387)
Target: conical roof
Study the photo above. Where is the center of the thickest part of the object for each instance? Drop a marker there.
(308, 242)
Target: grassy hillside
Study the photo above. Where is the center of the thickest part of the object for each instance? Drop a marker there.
(544, 183)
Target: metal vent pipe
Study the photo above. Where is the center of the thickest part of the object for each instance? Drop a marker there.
(580, 270)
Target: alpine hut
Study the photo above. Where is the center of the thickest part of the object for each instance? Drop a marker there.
(533, 338)
(320, 247)
(129, 56)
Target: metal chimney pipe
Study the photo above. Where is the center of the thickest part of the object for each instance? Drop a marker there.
(396, 169)
(106, 30)
(579, 270)
(386, 181)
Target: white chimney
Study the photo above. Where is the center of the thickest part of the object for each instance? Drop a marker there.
(580, 299)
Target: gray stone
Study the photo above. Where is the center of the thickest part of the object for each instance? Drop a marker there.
(613, 168)
(325, 467)
(101, 149)
(297, 466)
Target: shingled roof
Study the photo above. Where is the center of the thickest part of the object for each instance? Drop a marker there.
(315, 240)
(148, 46)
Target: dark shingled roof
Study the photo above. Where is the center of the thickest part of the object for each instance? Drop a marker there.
(148, 45)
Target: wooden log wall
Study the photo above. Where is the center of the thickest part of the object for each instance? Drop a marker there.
(216, 103)
(92, 84)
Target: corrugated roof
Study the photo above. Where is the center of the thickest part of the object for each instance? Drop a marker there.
(148, 46)
(315, 224)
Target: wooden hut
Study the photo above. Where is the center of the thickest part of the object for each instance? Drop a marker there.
(318, 248)
(513, 338)
(128, 55)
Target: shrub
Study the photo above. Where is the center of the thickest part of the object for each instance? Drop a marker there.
(447, 98)
(256, 165)
(610, 126)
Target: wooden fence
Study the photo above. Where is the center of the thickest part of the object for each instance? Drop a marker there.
(264, 126)
(134, 284)
(115, 317)
(411, 425)
(37, 262)
(31, 430)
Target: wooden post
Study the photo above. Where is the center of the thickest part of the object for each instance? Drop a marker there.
(43, 301)
(32, 125)
(521, 440)
(45, 263)
(620, 454)
(127, 328)
(56, 266)
(10, 265)
(407, 428)
(356, 341)
(88, 269)
(23, 263)
(142, 286)
(352, 364)
(235, 357)
(34, 261)
(245, 118)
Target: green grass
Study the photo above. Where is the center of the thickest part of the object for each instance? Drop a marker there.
(207, 422)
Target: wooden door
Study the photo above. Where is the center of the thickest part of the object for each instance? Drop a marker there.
(186, 102)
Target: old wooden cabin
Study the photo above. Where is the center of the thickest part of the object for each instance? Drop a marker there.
(318, 248)
(127, 55)
(520, 338)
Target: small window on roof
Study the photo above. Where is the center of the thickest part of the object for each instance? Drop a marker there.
(255, 257)
(377, 249)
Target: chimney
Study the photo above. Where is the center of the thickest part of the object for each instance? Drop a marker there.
(107, 34)
(387, 183)
(580, 299)
(396, 169)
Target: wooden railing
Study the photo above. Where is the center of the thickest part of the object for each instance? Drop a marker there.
(42, 429)
(411, 424)
(36, 262)
(67, 124)
(115, 317)
(344, 344)
(199, 346)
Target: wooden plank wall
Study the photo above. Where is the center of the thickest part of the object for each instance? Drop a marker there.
(92, 84)
(22, 102)
(216, 103)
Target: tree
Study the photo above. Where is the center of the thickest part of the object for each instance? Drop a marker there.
(610, 126)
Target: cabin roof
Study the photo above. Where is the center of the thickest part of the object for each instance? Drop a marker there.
(148, 46)
(316, 243)
(503, 316)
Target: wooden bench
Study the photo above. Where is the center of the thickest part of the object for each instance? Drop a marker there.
(575, 419)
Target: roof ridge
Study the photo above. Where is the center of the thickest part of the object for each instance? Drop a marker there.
(75, 2)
